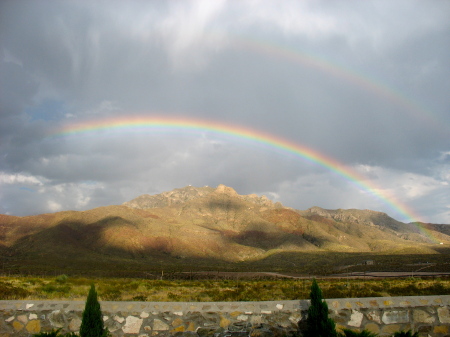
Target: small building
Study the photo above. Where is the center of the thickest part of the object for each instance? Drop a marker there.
(368, 262)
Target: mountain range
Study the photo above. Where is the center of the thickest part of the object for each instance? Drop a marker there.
(205, 223)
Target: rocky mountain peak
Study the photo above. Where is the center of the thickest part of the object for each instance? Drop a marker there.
(182, 195)
(226, 190)
(363, 217)
(171, 198)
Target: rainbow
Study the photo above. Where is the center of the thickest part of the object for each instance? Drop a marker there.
(358, 80)
(148, 124)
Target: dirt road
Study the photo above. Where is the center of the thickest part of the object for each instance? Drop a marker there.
(256, 275)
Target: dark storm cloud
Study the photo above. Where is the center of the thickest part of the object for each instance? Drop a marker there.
(366, 83)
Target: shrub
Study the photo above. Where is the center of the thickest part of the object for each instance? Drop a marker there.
(92, 322)
(406, 334)
(54, 333)
(61, 278)
(140, 298)
(351, 333)
(49, 288)
(111, 294)
(317, 323)
(10, 292)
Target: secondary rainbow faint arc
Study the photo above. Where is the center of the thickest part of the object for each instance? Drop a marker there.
(359, 80)
(331, 164)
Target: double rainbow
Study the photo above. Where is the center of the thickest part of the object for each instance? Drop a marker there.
(155, 124)
(357, 79)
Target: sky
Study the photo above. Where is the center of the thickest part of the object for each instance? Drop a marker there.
(362, 85)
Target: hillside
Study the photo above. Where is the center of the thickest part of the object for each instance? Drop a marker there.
(201, 225)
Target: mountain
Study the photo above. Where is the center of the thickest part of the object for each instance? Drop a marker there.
(205, 223)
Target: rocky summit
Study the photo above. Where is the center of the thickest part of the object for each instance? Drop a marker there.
(195, 224)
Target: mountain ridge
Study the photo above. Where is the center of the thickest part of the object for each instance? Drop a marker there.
(210, 223)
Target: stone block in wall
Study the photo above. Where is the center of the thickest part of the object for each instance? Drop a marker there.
(356, 318)
(295, 317)
(132, 325)
(342, 315)
(389, 330)
(33, 326)
(444, 314)
(159, 325)
(18, 326)
(374, 315)
(23, 319)
(177, 322)
(242, 318)
(209, 318)
(75, 324)
(221, 319)
(256, 319)
(421, 316)
(119, 319)
(279, 318)
(112, 325)
(266, 330)
(178, 329)
(441, 329)
(424, 329)
(206, 332)
(57, 319)
(239, 326)
(372, 327)
(224, 322)
(395, 316)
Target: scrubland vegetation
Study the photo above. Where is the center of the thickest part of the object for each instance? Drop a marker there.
(126, 289)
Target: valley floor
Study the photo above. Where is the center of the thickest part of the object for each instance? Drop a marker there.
(236, 287)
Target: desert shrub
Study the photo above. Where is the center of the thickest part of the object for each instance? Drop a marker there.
(10, 292)
(173, 297)
(61, 278)
(116, 289)
(111, 294)
(219, 296)
(130, 286)
(158, 284)
(81, 281)
(336, 291)
(52, 288)
(140, 298)
(289, 291)
(32, 281)
(436, 289)
(112, 291)
(405, 290)
(48, 288)
(377, 288)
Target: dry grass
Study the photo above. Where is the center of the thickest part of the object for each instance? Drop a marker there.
(125, 289)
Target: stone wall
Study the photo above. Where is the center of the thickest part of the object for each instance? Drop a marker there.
(429, 315)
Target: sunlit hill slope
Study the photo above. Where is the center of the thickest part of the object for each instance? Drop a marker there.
(213, 224)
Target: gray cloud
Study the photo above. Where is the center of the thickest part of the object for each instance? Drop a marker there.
(366, 84)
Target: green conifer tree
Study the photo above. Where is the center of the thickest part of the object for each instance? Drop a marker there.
(92, 322)
(318, 323)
